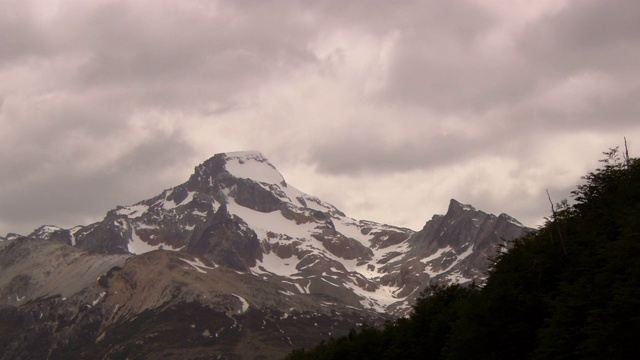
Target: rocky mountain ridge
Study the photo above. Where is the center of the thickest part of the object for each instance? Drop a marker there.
(235, 239)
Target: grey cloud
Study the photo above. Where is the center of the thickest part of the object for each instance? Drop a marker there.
(357, 154)
(428, 18)
(92, 69)
(168, 56)
(422, 146)
(618, 115)
(447, 72)
(587, 34)
(36, 136)
(456, 82)
(183, 57)
(130, 58)
(20, 35)
(438, 63)
(65, 200)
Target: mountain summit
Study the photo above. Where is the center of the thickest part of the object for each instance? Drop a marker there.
(236, 239)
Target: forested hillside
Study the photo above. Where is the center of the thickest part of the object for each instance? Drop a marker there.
(569, 290)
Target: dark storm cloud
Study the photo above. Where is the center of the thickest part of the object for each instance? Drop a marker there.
(436, 63)
(108, 102)
(69, 194)
(183, 57)
(170, 55)
(571, 72)
(442, 64)
(70, 137)
(20, 35)
(452, 72)
(586, 35)
(590, 37)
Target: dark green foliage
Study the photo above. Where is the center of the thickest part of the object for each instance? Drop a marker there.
(595, 313)
(570, 290)
(423, 336)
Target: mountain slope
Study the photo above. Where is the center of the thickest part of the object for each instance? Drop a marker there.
(149, 305)
(568, 290)
(242, 240)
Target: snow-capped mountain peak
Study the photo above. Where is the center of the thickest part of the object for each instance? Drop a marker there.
(237, 211)
(252, 165)
(236, 250)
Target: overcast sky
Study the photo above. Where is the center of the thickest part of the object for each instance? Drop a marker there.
(386, 109)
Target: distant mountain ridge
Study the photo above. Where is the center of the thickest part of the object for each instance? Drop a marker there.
(237, 217)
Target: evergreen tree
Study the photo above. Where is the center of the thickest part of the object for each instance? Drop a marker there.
(570, 290)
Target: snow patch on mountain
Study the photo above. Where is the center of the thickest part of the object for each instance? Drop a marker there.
(198, 265)
(306, 245)
(252, 165)
(245, 304)
(172, 204)
(137, 246)
(72, 232)
(377, 300)
(100, 297)
(436, 255)
(350, 229)
(271, 263)
(274, 222)
(133, 211)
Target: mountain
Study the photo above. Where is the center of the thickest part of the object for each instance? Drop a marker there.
(568, 290)
(234, 262)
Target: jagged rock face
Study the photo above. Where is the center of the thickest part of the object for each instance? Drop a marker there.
(157, 305)
(238, 236)
(238, 211)
(224, 241)
(455, 247)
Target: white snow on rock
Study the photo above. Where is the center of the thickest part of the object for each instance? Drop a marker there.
(73, 232)
(48, 229)
(136, 246)
(188, 199)
(252, 165)
(274, 221)
(351, 229)
(301, 289)
(172, 204)
(198, 265)
(100, 297)
(436, 255)
(377, 300)
(168, 205)
(312, 201)
(286, 293)
(245, 304)
(133, 211)
(513, 221)
(272, 263)
(467, 207)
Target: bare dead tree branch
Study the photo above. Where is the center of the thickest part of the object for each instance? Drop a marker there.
(626, 153)
(553, 210)
(555, 222)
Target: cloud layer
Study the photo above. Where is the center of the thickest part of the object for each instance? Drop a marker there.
(386, 109)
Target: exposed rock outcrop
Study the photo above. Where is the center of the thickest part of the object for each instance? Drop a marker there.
(231, 260)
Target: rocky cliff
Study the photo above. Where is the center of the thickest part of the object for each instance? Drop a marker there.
(231, 260)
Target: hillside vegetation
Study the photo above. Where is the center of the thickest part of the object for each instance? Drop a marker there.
(569, 290)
